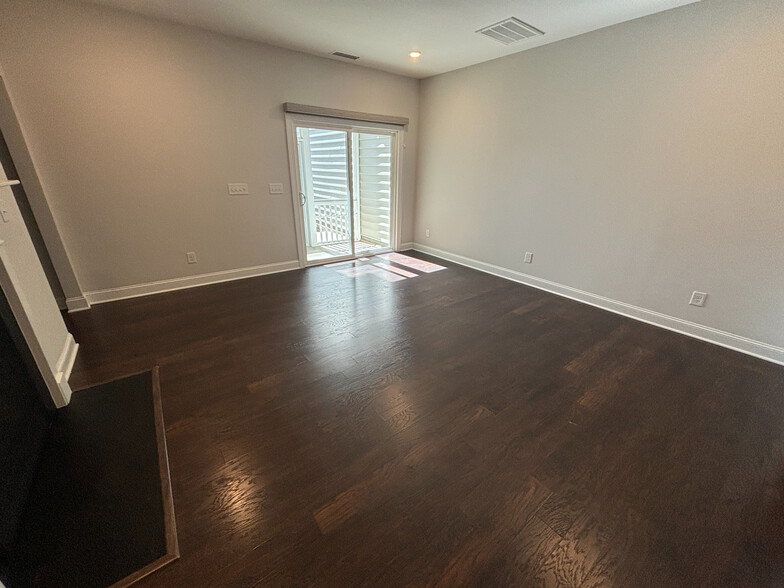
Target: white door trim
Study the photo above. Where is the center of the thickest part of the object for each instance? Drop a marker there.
(55, 377)
(23, 159)
(295, 120)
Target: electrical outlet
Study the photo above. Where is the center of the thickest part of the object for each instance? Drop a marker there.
(276, 188)
(238, 189)
(698, 298)
(191, 256)
(427, 233)
(529, 257)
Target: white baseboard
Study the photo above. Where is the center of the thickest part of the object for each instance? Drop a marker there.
(123, 292)
(406, 246)
(76, 304)
(735, 342)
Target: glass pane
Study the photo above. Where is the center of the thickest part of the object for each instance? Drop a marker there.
(323, 159)
(372, 191)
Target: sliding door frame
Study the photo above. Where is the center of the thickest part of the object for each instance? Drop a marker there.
(349, 126)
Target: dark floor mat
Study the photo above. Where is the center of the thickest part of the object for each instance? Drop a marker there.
(97, 513)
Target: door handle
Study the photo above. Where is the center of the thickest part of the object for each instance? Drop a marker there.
(301, 199)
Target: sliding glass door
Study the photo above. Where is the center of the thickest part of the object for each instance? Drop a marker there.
(325, 193)
(345, 177)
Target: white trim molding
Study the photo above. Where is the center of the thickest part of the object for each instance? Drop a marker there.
(77, 304)
(24, 161)
(146, 289)
(55, 376)
(745, 345)
(64, 366)
(406, 246)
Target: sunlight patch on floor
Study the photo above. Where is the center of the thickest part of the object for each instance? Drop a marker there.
(388, 269)
(412, 262)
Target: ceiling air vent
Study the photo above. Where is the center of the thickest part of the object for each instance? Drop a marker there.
(510, 30)
(345, 55)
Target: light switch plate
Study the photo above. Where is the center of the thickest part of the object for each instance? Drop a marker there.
(276, 188)
(4, 215)
(238, 189)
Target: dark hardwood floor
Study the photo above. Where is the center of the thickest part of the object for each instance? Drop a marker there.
(448, 429)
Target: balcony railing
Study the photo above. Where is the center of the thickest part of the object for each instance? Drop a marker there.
(331, 221)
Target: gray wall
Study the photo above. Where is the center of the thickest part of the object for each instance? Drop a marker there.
(639, 162)
(137, 125)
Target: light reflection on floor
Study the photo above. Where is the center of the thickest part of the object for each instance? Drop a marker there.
(397, 270)
(353, 272)
(386, 267)
(412, 262)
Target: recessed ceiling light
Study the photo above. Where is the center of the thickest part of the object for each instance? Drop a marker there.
(415, 54)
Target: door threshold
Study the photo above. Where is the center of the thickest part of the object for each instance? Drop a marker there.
(345, 258)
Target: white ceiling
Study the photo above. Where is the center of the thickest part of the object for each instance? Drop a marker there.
(382, 32)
